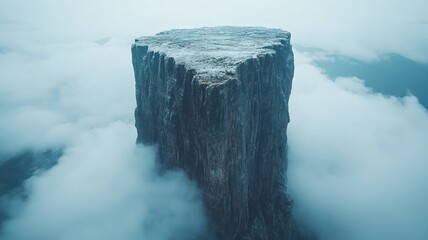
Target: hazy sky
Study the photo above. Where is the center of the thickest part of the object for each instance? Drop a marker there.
(361, 29)
(357, 158)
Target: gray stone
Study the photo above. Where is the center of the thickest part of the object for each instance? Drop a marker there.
(215, 101)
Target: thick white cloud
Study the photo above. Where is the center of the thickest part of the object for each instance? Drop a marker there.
(49, 93)
(106, 188)
(357, 158)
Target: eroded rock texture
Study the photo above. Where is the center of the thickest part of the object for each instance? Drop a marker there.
(215, 101)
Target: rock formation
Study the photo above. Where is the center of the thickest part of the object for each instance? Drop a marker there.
(215, 101)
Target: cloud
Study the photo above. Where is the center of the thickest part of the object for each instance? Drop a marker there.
(358, 162)
(362, 29)
(106, 187)
(49, 93)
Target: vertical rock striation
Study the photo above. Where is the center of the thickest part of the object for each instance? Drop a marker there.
(215, 101)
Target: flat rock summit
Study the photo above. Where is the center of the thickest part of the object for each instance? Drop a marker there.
(215, 102)
(214, 53)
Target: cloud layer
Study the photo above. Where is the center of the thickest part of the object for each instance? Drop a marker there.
(106, 187)
(357, 158)
(49, 93)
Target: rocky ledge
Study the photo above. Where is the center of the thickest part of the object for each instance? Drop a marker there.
(215, 101)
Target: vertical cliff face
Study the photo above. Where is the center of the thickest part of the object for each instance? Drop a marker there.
(215, 101)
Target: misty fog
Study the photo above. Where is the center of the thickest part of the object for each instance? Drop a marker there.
(357, 158)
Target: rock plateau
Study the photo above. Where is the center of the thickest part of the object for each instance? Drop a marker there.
(215, 102)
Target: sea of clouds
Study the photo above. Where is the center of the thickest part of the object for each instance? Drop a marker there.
(357, 162)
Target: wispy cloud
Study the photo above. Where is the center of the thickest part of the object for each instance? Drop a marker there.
(362, 29)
